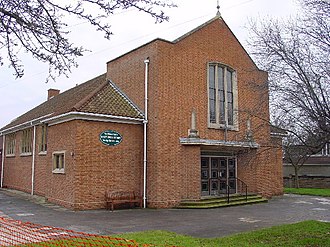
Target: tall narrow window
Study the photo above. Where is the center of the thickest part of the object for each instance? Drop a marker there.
(43, 139)
(10, 144)
(230, 98)
(222, 96)
(26, 144)
(221, 90)
(212, 94)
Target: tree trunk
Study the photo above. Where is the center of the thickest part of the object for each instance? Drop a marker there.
(296, 177)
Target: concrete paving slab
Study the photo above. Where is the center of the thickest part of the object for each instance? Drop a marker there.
(206, 223)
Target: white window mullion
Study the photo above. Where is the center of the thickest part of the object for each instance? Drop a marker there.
(225, 94)
(217, 97)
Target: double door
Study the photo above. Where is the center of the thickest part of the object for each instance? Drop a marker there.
(217, 175)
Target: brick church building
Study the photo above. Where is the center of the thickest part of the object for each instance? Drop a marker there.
(171, 121)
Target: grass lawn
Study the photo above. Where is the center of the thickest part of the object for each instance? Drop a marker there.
(308, 191)
(307, 233)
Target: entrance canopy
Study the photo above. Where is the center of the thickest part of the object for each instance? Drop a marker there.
(219, 144)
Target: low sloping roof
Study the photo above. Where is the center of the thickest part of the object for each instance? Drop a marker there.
(277, 131)
(98, 96)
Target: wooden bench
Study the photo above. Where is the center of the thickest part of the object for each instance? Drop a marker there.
(113, 198)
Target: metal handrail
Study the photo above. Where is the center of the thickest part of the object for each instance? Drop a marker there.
(243, 185)
(246, 187)
(228, 190)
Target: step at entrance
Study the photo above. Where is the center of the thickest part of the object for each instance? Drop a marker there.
(212, 202)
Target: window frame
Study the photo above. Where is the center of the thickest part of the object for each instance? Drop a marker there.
(43, 139)
(324, 152)
(326, 149)
(10, 147)
(26, 142)
(58, 156)
(234, 94)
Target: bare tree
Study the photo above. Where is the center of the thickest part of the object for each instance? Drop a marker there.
(297, 152)
(296, 55)
(38, 27)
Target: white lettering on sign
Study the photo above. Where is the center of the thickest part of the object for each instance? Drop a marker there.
(110, 138)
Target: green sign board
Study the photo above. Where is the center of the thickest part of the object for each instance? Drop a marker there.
(110, 137)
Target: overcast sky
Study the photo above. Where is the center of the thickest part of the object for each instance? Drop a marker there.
(131, 29)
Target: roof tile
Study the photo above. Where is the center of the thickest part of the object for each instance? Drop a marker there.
(94, 96)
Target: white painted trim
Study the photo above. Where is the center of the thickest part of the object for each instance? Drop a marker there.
(42, 153)
(25, 154)
(3, 159)
(23, 125)
(70, 116)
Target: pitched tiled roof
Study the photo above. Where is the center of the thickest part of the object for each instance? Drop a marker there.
(97, 96)
(110, 101)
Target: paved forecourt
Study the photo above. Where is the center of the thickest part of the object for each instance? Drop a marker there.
(195, 222)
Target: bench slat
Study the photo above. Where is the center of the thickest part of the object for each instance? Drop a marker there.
(121, 197)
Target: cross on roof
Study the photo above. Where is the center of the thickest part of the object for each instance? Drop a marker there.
(218, 7)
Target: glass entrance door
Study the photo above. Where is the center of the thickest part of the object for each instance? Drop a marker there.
(216, 174)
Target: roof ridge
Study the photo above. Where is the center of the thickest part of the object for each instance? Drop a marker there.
(89, 96)
(125, 97)
(217, 17)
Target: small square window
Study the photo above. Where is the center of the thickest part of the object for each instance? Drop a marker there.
(58, 162)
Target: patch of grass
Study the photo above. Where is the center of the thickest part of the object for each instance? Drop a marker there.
(308, 191)
(307, 233)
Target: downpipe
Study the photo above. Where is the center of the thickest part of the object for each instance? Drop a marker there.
(145, 122)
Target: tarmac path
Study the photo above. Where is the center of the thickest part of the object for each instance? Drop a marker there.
(205, 223)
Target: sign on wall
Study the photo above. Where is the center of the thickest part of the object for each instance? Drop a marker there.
(110, 137)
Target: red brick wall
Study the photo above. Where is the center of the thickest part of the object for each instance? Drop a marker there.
(178, 84)
(1, 152)
(100, 167)
(18, 169)
(91, 167)
(276, 155)
(41, 161)
(60, 188)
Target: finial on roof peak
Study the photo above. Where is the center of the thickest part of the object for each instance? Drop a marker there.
(218, 7)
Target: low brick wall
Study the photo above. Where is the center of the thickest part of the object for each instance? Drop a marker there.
(308, 181)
